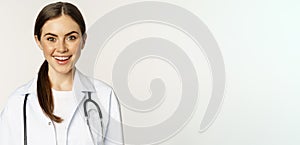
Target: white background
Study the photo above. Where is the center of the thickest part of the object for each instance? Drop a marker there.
(260, 46)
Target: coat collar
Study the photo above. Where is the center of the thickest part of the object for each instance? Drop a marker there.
(81, 85)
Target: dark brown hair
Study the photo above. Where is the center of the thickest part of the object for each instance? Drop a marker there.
(49, 12)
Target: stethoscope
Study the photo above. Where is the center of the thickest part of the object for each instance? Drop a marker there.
(86, 114)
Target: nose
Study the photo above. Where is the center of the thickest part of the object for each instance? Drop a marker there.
(62, 47)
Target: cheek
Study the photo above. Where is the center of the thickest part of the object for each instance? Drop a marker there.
(47, 50)
(78, 51)
(76, 48)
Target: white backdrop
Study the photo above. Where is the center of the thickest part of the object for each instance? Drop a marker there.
(258, 40)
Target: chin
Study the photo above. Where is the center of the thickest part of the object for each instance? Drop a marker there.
(66, 71)
(63, 70)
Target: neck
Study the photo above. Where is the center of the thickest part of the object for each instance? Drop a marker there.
(61, 81)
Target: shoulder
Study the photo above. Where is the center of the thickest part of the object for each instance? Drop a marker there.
(102, 90)
(101, 86)
(20, 92)
(15, 101)
(90, 82)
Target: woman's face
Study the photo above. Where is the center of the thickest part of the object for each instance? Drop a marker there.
(61, 41)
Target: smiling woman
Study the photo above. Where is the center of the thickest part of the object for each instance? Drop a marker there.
(61, 105)
(61, 41)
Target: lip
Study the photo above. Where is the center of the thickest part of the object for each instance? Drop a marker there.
(62, 60)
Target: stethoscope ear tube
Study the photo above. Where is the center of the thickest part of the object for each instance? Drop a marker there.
(24, 119)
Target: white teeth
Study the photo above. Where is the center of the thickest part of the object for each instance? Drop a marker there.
(61, 57)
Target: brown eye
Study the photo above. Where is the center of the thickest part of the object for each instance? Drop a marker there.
(51, 39)
(71, 38)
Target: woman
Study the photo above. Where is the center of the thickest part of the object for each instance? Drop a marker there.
(61, 106)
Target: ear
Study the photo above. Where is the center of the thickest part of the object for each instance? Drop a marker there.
(84, 37)
(38, 42)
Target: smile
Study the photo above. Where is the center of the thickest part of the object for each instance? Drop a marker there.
(62, 57)
(62, 60)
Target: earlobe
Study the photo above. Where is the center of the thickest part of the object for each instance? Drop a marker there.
(38, 42)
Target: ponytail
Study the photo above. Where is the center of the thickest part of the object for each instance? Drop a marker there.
(44, 93)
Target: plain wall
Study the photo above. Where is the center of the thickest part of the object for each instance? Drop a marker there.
(259, 41)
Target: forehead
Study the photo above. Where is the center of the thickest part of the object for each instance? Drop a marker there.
(60, 25)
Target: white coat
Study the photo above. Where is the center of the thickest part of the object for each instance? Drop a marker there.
(40, 129)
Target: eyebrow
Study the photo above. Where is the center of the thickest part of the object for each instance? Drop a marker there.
(65, 34)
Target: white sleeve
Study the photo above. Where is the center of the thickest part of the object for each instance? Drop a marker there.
(114, 134)
(4, 130)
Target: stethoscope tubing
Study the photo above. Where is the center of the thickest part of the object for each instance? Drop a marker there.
(89, 99)
(25, 119)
